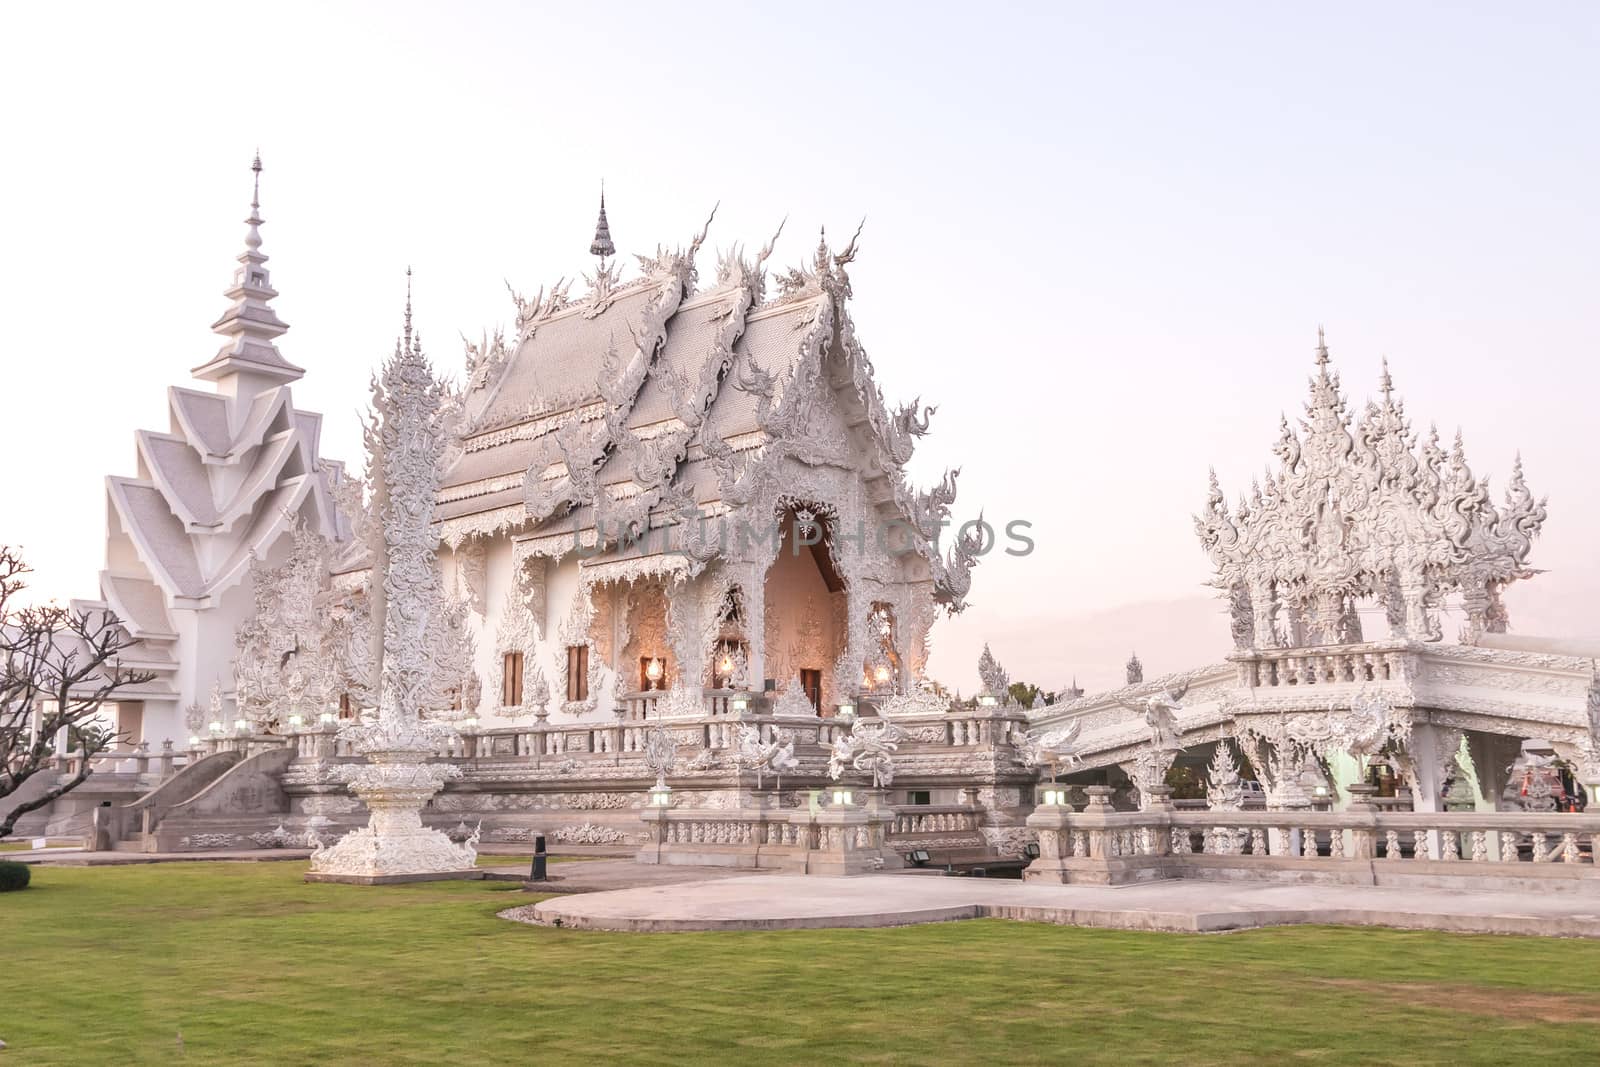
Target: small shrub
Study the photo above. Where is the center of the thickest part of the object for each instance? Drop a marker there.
(13, 876)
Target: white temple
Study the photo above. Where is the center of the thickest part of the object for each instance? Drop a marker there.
(220, 490)
(662, 581)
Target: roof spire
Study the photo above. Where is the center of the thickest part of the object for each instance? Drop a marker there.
(250, 324)
(601, 245)
(1322, 350)
(408, 306)
(1386, 382)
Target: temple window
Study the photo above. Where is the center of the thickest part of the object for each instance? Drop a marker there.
(725, 661)
(345, 711)
(578, 672)
(652, 673)
(511, 680)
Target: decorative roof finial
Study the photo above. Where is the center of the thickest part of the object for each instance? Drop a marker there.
(250, 325)
(408, 307)
(1322, 350)
(1135, 670)
(602, 246)
(1386, 382)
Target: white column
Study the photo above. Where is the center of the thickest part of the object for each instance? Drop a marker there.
(1425, 793)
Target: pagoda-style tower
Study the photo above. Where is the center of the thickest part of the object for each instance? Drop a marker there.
(236, 470)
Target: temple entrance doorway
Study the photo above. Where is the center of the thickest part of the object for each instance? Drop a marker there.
(804, 612)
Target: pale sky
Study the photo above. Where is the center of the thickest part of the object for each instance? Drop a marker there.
(1099, 237)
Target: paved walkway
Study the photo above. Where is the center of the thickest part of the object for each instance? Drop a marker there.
(604, 876)
(775, 901)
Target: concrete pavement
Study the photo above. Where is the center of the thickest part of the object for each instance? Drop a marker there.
(776, 901)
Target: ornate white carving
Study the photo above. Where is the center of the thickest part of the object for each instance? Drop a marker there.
(793, 703)
(590, 834)
(406, 440)
(923, 699)
(868, 749)
(773, 757)
(1223, 790)
(996, 683)
(1365, 514)
(660, 753)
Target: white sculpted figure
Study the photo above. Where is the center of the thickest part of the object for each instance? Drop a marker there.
(839, 756)
(1372, 729)
(1160, 714)
(660, 753)
(765, 757)
(1061, 746)
(869, 749)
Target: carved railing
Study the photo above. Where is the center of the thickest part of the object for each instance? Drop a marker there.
(934, 819)
(1324, 665)
(1361, 845)
(612, 739)
(846, 835)
(133, 760)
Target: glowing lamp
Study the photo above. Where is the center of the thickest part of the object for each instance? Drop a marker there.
(987, 701)
(661, 796)
(881, 674)
(194, 742)
(1054, 796)
(241, 725)
(296, 721)
(215, 727)
(843, 798)
(652, 671)
(740, 702)
(847, 711)
(327, 718)
(472, 722)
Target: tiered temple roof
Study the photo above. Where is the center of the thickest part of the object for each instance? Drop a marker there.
(235, 469)
(617, 411)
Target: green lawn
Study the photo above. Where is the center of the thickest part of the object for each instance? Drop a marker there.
(248, 964)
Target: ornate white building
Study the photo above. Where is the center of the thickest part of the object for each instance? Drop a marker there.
(669, 539)
(235, 471)
(667, 487)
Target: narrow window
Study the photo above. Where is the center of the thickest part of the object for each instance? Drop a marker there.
(511, 681)
(578, 672)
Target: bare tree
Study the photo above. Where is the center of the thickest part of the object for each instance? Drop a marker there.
(58, 668)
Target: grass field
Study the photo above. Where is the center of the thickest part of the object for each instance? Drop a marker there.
(242, 962)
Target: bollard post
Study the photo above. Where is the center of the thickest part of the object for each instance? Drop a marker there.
(537, 874)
